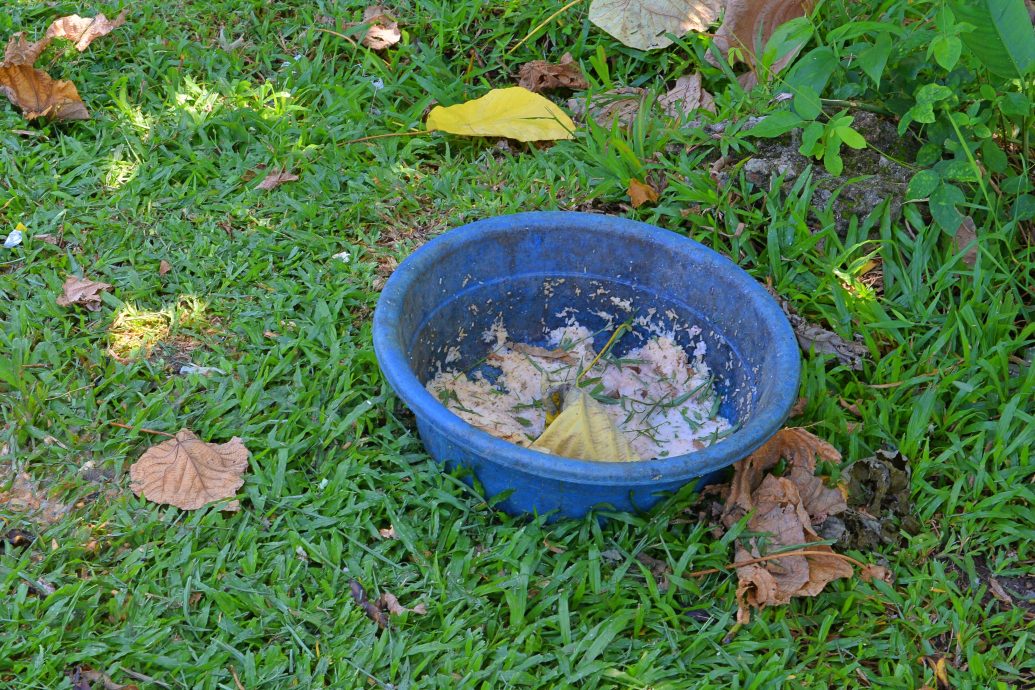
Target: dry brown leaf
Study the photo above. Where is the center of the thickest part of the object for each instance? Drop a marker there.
(276, 178)
(383, 31)
(641, 192)
(872, 571)
(84, 30)
(798, 409)
(390, 603)
(965, 236)
(785, 509)
(82, 291)
(22, 52)
(687, 96)
(620, 104)
(745, 21)
(536, 351)
(388, 533)
(998, 592)
(374, 613)
(86, 677)
(25, 496)
(38, 95)
(164, 267)
(820, 340)
(643, 24)
(189, 473)
(539, 76)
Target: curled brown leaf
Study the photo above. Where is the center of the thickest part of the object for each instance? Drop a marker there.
(82, 291)
(84, 30)
(383, 31)
(539, 76)
(189, 473)
(641, 193)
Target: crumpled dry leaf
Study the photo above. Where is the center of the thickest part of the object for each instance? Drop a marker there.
(964, 237)
(388, 532)
(687, 96)
(785, 508)
(84, 30)
(641, 192)
(745, 21)
(820, 340)
(872, 571)
(583, 430)
(85, 678)
(622, 104)
(276, 178)
(390, 603)
(643, 24)
(373, 611)
(383, 31)
(189, 473)
(515, 113)
(37, 94)
(164, 267)
(82, 291)
(538, 76)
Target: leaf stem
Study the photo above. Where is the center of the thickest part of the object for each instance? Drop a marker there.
(146, 431)
(542, 24)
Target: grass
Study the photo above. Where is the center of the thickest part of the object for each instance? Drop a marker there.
(261, 598)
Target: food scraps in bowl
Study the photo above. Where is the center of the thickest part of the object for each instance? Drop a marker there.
(656, 400)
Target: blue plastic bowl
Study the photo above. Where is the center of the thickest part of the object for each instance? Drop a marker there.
(525, 269)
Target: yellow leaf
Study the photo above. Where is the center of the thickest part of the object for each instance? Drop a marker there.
(515, 113)
(584, 431)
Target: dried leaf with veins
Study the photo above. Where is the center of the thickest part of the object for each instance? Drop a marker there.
(34, 91)
(189, 473)
(82, 291)
(785, 509)
(276, 178)
(390, 603)
(745, 21)
(383, 31)
(643, 24)
(872, 571)
(641, 193)
(687, 96)
(538, 76)
(622, 104)
(84, 30)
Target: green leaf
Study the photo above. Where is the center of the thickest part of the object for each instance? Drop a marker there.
(1024, 207)
(1002, 38)
(813, 69)
(873, 59)
(993, 157)
(1015, 104)
(926, 96)
(787, 40)
(922, 184)
(943, 202)
(851, 137)
(846, 32)
(832, 156)
(809, 140)
(807, 103)
(775, 125)
(946, 50)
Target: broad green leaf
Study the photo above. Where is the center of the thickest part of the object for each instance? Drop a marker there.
(584, 431)
(922, 184)
(873, 59)
(851, 137)
(775, 125)
(926, 96)
(514, 112)
(943, 202)
(846, 32)
(946, 50)
(1024, 207)
(1015, 104)
(993, 157)
(810, 138)
(832, 156)
(807, 103)
(1003, 38)
(813, 70)
(788, 38)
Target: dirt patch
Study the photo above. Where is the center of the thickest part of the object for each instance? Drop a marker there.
(882, 178)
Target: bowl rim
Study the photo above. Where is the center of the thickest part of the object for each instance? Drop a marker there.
(391, 356)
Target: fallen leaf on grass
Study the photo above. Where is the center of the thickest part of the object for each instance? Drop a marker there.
(620, 104)
(390, 603)
(164, 267)
(82, 291)
(748, 25)
(965, 237)
(643, 24)
(374, 613)
(25, 496)
(998, 592)
(872, 571)
(189, 473)
(276, 178)
(515, 113)
(641, 192)
(687, 96)
(383, 31)
(388, 533)
(538, 76)
(36, 94)
(785, 508)
(820, 340)
(658, 568)
(85, 678)
(84, 30)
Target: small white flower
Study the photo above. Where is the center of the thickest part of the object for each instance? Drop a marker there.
(378, 83)
(345, 257)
